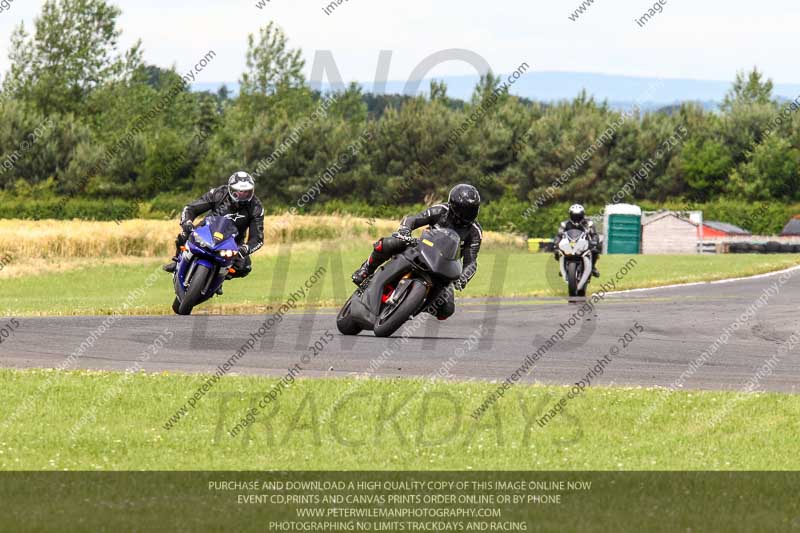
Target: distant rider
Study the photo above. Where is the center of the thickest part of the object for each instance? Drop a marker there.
(237, 202)
(459, 214)
(577, 220)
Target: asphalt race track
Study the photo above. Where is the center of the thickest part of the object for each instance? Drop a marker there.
(679, 324)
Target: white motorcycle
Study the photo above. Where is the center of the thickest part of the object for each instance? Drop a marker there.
(575, 260)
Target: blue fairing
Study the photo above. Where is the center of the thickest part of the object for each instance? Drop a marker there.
(204, 250)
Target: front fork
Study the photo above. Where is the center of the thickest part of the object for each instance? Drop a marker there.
(400, 284)
(587, 269)
(187, 256)
(562, 264)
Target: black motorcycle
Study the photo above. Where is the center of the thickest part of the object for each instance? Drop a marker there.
(402, 287)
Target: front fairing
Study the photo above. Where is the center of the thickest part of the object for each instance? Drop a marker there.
(574, 244)
(217, 234)
(366, 305)
(439, 249)
(439, 265)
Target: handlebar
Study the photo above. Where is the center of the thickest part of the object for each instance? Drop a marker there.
(405, 238)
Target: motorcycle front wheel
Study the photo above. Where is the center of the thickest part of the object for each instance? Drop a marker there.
(194, 293)
(395, 314)
(572, 278)
(344, 320)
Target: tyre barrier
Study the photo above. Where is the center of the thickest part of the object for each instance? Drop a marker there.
(771, 247)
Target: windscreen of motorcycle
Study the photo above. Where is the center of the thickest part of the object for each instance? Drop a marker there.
(221, 228)
(574, 243)
(444, 240)
(440, 249)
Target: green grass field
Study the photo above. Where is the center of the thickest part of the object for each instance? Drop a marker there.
(101, 289)
(99, 421)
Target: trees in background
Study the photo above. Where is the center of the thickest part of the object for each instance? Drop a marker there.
(71, 73)
(72, 51)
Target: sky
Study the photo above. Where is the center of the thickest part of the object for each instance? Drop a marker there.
(708, 39)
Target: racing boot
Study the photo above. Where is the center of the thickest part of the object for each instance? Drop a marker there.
(363, 272)
(171, 266)
(595, 272)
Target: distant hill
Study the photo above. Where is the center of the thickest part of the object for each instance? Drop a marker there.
(620, 91)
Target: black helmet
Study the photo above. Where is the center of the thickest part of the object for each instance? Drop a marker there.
(464, 202)
(241, 187)
(577, 213)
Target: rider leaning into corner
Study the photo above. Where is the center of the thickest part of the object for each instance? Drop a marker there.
(236, 201)
(577, 220)
(459, 214)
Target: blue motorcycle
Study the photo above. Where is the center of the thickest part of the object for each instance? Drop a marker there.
(204, 264)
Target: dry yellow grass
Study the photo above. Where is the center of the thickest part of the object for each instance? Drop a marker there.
(55, 240)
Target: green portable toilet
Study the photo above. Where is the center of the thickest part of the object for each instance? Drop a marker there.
(623, 225)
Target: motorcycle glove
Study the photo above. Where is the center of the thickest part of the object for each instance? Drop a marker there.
(187, 227)
(244, 250)
(460, 284)
(404, 231)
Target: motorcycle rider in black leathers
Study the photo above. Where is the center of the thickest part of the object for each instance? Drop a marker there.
(237, 202)
(459, 214)
(577, 220)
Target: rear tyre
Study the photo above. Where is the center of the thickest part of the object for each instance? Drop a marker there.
(394, 315)
(194, 292)
(572, 278)
(344, 320)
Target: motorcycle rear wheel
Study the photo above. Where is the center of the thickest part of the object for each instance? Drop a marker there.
(194, 291)
(394, 315)
(344, 320)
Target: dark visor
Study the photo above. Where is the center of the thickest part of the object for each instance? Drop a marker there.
(467, 213)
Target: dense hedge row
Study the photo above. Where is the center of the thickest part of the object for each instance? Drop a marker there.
(66, 209)
(500, 215)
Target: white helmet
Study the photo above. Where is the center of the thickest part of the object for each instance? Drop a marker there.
(241, 187)
(577, 213)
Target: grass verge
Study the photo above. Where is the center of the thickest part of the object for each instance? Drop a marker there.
(104, 421)
(101, 288)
